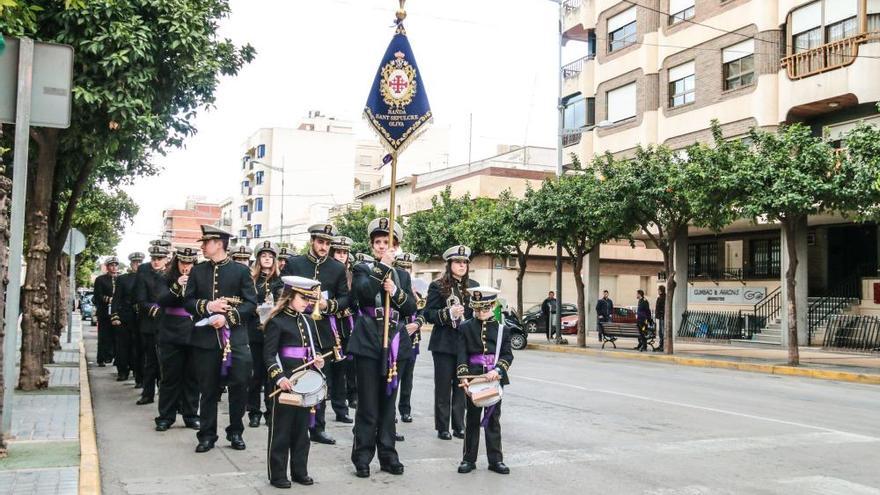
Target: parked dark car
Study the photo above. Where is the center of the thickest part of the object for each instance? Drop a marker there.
(533, 322)
(519, 339)
(87, 309)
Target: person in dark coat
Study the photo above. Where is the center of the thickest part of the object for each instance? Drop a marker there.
(483, 350)
(643, 319)
(447, 308)
(149, 287)
(123, 317)
(319, 265)
(220, 293)
(267, 281)
(548, 308)
(290, 342)
(605, 312)
(340, 250)
(372, 283)
(178, 387)
(105, 289)
(660, 315)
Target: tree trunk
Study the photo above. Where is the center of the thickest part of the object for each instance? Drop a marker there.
(790, 227)
(578, 266)
(669, 264)
(5, 190)
(522, 259)
(35, 312)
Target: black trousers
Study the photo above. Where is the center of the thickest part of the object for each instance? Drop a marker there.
(493, 434)
(449, 398)
(137, 354)
(151, 365)
(351, 386)
(105, 340)
(178, 388)
(374, 428)
(335, 373)
(549, 327)
(288, 441)
(122, 340)
(643, 334)
(661, 330)
(207, 365)
(258, 382)
(405, 370)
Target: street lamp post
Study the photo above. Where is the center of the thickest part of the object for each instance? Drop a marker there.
(557, 317)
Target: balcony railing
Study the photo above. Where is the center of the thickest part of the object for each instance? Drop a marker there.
(571, 5)
(827, 57)
(571, 139)
(573, 69)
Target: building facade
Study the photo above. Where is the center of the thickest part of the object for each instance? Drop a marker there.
(658, 71)
(183, 226)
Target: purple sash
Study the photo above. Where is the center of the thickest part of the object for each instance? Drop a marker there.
(293, 352)
(177, 311)
(351, 329)
(226, 362)
(372, 313)
(392, 362)
(487, 414)
(482, 360)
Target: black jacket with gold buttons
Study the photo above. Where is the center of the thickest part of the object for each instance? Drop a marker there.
(479, 337)
(288, 328)
(212, 280)
(334, 280)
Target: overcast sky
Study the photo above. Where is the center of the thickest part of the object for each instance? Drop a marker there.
(495, 59)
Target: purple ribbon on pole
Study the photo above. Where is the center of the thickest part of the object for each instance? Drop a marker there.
(392, 358)
(226, 364)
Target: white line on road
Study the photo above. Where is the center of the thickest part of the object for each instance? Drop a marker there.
(694, 406)
(825, 485)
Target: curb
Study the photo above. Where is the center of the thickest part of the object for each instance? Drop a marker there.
(89, 467)
(771, 369)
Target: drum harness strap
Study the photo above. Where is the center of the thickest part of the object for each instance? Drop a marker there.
(491, 409)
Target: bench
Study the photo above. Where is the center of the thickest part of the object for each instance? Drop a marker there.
(612, 331)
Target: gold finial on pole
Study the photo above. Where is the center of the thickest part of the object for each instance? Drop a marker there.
(401, 12)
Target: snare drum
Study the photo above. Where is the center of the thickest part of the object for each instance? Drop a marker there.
(485, 393)
(309, 389)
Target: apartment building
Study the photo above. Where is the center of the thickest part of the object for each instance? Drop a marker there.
(182, 226)
(658, 71)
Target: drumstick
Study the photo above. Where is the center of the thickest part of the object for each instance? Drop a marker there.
(273, 394)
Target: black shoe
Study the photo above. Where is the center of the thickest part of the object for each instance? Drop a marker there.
(163, 426)
(396, 468)
(398, 437)
(406, 418)
(444, 435)
(466, 467)
(204, 446)
(457, 434)
(362, 471)
(138, 385)
(121, 378)
(254, 420)
(344, 419)
(280, 483)
(235, 441)
(193, 424)
(304, 480)
(144, 400)
(500, 468)
(321, 437)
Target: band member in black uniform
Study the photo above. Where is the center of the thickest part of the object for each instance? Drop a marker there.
(223, 291)
(267, 280)
(145, 270)
(283, 255)
(479, 354)
(178, 387)
(447, 309)
(149, 287)
(413, 327)
(124, 317)
(105, 289)
(374, 428)
(318, 265)
(340, 250)
(241, 255)
(290, 342)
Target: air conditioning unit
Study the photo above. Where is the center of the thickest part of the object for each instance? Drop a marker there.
(511, 262)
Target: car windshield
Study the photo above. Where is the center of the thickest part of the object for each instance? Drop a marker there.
(534, 309)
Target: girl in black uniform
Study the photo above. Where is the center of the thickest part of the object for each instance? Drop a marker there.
(340, 250)
(267, 281)
(288, 344)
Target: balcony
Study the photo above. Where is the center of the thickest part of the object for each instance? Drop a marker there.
(827, 57)
(577, 76)
(575, 21)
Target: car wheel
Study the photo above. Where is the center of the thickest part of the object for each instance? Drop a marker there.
(532, 327)
(517, 341)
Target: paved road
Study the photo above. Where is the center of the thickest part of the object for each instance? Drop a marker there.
(571, 425)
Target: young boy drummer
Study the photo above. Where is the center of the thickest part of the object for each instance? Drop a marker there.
(289, 343)
(479, 354)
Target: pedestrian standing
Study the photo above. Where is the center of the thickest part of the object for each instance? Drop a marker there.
(105, 289)
(643, 319)
(660, 315)
(547, 308)
(605, 312)
(267, 281)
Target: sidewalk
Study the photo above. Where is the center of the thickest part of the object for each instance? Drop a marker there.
(44, 453)
(815, 363)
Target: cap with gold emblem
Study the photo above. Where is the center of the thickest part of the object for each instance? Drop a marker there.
(158, 252)
(284, 254)
(404, 260)
(111, 260)
(309, 288)
(483, 297)
(165, 243)
(136, 257)
(341, 243)
(186, 254)
(380, 226)
(211, 232)
(364, 258)
(323, 231)
(266, 247)
(241, 253)
(457, 253)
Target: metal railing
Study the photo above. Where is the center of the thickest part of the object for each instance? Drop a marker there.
(749, 273)
(717, 326)
(571, 5)
(853, 332)
(573, 69)
(844, 295)
(768, 308)
(571, 139)
(827, 57)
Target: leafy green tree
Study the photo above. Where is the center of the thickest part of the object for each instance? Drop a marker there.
(354, 224)
(101, 217)
(431, 232)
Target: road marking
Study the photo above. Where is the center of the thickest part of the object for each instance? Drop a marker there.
(694, 406)
(825, 485)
